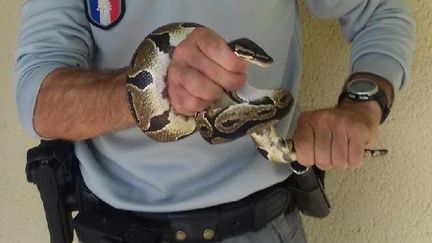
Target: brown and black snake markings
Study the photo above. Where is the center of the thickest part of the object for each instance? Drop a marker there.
(223, 122)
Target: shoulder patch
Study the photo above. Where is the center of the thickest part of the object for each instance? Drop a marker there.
(104, 14)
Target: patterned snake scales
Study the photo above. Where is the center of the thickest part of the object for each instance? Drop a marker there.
(232, 117)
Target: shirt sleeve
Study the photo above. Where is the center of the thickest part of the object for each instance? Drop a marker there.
(53, 34)
(381, 33)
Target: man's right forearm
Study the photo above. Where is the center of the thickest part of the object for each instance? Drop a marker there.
(77, 104)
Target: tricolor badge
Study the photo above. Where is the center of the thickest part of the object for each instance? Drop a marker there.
(105, 14)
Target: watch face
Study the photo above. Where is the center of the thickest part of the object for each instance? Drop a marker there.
(362, 87)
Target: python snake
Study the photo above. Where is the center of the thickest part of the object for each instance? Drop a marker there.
(232, 117)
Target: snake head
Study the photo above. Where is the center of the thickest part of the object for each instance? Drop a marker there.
(251, 52)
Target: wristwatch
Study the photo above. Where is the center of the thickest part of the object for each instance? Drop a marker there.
(366, 90)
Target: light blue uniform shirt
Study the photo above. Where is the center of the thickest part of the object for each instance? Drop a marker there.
(130, 171)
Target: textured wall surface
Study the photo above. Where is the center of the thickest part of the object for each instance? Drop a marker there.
(388, 200)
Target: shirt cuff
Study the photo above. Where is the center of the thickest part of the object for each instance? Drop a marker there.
(26, 94)
(383, 66)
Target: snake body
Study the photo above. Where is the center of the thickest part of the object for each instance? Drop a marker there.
(232, 117)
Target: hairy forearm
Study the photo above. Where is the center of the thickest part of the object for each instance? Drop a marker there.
(77, 104)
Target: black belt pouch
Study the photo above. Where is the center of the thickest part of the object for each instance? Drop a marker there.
(308, 193)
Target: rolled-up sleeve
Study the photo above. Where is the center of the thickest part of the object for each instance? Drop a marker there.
(381, 33)
(53, 34)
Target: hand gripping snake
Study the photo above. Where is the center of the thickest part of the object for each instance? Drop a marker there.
(232, 117)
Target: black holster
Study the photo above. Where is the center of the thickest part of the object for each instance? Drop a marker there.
(53, 167)
(306, 185)
(50, 166)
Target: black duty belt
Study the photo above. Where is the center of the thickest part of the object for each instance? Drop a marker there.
(98, 222)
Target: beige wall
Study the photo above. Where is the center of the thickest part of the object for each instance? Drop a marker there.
(389, 200)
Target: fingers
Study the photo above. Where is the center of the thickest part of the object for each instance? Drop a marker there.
(207, 52)
(201, 68)
(215, 47)
(339, 149)
(304, 141)
(194, 82)
(184, 102)
(313, 140)
(357, 145)
(332, 138)
(323, 145)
